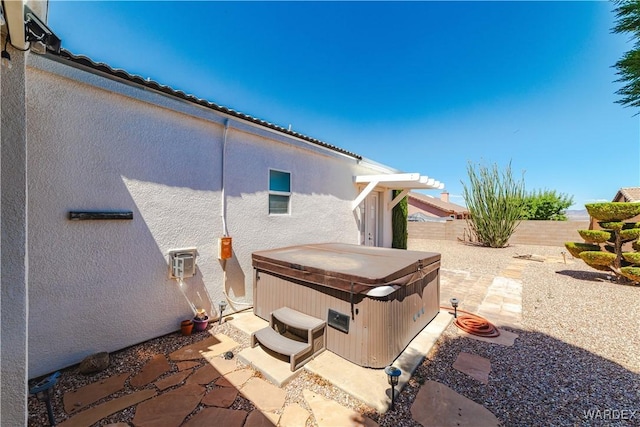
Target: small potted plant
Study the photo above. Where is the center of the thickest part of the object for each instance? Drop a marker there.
(186, 326)
(200, 320)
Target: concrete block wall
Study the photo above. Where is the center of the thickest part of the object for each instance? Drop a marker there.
(542, 233)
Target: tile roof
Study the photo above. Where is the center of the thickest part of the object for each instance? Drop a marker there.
(440, 204)
(629, 194)
(87, 62)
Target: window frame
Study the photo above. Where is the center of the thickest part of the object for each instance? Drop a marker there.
(279, 193)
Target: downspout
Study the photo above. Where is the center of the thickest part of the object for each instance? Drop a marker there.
(225, 231)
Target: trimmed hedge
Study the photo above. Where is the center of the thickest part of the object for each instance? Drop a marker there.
(632, 257)
(630, 234)
(595, 236)
(631, 273)
(575, 248)
(613, 211)
(636, 245)
(618, 225)
(598, 267)
(598, 257)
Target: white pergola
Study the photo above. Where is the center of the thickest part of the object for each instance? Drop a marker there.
(399, 181)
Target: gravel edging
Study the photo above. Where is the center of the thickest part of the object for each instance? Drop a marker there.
(578, 351)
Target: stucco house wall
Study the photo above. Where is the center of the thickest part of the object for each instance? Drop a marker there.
(95, 143)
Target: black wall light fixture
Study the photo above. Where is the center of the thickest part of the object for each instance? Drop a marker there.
(89, 215)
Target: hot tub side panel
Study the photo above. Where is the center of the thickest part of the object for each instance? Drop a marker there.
(379, 329)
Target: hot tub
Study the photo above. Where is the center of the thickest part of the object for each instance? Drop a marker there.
(374, 300)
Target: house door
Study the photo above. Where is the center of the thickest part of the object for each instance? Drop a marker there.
(370, 221)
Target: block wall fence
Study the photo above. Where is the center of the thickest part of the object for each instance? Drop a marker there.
(541, 233)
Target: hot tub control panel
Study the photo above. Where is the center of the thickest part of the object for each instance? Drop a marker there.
(338, 320)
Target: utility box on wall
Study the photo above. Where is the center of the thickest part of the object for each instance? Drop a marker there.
(182, 263)
(225, 250)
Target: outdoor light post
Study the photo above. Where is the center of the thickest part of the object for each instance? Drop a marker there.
(393, 374)
(43, 391)
(454, 303)
(221, 306)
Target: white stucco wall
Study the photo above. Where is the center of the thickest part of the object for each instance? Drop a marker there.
(97, 144)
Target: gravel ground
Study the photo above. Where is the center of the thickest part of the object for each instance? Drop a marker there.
(576, 361)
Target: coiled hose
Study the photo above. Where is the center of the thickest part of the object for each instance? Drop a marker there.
(474, 324)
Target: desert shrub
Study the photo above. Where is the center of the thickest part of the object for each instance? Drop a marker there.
(494, 201)
(575, 248)
(595, 236)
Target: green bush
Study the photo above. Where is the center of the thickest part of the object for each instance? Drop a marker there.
(631, 273)
(575, 248)
(636, 245)
(595, 236)
(632, 257)
(598, 257)
(598, 267)
(613, 211)
(617, 225)
(630, 234)
(399, 223)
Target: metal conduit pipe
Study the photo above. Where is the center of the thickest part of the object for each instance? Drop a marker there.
(225, 231)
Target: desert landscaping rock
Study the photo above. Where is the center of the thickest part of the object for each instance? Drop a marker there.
(94, 363)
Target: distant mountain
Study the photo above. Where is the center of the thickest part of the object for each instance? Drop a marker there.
(577, 215)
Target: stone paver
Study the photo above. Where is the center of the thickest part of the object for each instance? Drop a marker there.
(263, 394)
(329, 413)
(294, 415)
(155, 367)
(475, 366)
(222, 397)
(169, 409)
(217, 417)
(186, 365)
(235, 379)
(204, 375)
(207, 348)
(258, 418)
(223, 365)
(84, 396)
(436, 405)
(172, 380)
(97, 413)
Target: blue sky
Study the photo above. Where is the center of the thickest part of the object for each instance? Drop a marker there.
(420, 86)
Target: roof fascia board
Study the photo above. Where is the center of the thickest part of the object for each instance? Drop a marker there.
(110, 83)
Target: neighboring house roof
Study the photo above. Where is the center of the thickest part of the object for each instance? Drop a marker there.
(87, 62)
(437, 203)
(628, 194)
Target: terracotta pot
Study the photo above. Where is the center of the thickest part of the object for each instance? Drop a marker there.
(186, 326)
(200, 325)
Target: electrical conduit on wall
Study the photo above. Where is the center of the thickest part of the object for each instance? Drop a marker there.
(223, 213)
